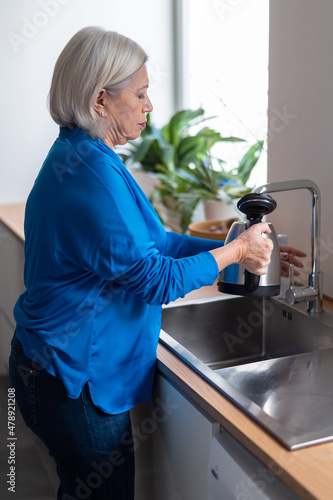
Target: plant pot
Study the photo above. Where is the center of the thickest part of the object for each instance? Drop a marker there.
(211, 229)
(149, 182)
(218, 210)
(169, 214)
(146, 180)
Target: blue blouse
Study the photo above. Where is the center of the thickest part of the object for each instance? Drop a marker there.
(98, 267)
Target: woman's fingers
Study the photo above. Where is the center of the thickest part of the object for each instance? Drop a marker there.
(288, 256)
(257, 249)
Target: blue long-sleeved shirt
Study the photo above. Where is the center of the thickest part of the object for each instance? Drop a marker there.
(98, 267)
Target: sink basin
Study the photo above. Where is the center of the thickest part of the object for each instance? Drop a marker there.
(271, 359)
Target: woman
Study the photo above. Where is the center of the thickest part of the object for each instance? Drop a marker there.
(99, 265)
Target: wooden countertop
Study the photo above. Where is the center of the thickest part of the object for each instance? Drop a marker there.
(13, 217)
(308, 471)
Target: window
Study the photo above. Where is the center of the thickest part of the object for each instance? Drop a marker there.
(225, 70)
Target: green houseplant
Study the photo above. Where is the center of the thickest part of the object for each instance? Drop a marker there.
(180, 155)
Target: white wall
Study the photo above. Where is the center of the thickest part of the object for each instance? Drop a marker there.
(33, 35)
(301, 118)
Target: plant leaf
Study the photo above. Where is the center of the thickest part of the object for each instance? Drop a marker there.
(179, 123)
(248, 162)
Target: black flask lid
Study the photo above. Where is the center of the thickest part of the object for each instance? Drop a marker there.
(256, 205)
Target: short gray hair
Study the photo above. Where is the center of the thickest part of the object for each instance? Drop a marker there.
(93, 59)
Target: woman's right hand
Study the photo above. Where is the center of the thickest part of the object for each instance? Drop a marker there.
(250, 248)
(256, 249)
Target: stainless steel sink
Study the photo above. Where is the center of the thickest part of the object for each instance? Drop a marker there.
(273, 360)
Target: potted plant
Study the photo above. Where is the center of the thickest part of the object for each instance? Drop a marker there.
(180, 156)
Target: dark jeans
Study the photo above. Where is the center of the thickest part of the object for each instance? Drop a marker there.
(93, 450)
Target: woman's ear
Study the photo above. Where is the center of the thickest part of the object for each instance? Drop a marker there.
(99, 105)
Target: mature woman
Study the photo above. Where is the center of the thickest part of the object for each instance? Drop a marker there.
(99, 265)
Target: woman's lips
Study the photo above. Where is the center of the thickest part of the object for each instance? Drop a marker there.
(142, 125)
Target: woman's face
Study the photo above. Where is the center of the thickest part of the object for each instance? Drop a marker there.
(125, 114)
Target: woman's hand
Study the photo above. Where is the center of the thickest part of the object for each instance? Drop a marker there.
(255, 248)
(251, 249)
(288, 255)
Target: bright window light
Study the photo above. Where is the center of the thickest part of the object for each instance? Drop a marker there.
(226, 53)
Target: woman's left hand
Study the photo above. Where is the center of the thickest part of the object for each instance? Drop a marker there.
(288, 255)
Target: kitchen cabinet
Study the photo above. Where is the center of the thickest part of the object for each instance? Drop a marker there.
(183, 454)
(171, 441)
(11, 286)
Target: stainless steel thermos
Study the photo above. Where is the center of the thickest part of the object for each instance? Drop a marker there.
(235, 279)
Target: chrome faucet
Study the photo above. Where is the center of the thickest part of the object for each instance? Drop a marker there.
(312, 293)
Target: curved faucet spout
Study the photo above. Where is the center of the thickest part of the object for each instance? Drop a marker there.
(314, 305)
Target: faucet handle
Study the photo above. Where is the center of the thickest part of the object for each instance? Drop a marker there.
(291, 275)
(296, 294)
(292, 294)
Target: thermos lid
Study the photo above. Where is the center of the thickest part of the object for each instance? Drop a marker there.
(256, 205)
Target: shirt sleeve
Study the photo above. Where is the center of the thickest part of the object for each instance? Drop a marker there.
(159, 279)
(182, 245)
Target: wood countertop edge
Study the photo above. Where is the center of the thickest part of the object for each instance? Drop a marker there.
(307, 471)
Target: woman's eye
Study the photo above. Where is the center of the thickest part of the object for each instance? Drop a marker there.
(141, 96)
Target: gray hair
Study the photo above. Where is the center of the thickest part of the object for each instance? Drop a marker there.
(93, 59)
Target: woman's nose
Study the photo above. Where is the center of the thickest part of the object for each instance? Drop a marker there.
(148, 106)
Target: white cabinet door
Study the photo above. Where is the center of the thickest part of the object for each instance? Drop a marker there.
(181, 454)
(234, 473)
(172, 440)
